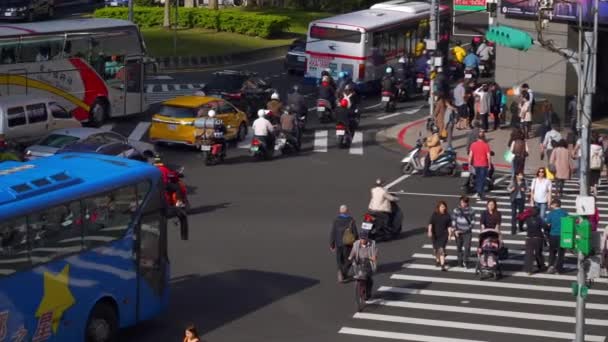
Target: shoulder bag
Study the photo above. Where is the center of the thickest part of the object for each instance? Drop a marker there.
(348, 237)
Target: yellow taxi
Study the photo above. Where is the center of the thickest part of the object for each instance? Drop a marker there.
(174, 121)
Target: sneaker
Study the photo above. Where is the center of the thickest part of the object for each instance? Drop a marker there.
(551, 270)
(444, 268)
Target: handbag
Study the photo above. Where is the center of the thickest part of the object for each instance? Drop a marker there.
(550, 175)
(348, 237)
(503, 253)
(509, 156)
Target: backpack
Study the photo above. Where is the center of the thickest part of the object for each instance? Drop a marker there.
(348, 237)
(595, 162)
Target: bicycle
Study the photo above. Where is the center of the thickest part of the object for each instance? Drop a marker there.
(363, 279)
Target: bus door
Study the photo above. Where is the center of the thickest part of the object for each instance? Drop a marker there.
(133, 85)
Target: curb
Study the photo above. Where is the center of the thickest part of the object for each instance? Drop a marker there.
(403, 132)
(202, 62)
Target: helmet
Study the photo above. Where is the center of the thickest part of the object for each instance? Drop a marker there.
(458, 43)
(211, 113)
(363, 234)
(344, 103)
(325, 79)
(296, 88)
(261, 113)
(342, 74)
(325, 73)
(379, 181)
(389, 70)
(402, 60)
(274, 96)
(348, 87)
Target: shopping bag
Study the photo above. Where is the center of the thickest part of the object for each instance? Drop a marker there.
(509, 156)
(550, 175)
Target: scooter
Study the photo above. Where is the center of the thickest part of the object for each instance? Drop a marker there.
(419, 81)
(414, 163)
(388, 231)
(183, 203)
(344, 135)
(213, 151)
(485, 69)
(388, 100)
(426, 89)
(468, 174)
(286, 144)
(402, 91)
(324, 111)
(259, 150)
(469, 74)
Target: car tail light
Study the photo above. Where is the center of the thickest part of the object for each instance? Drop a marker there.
(426, 82)
(465, 167)
(368, 218)
(340, 126)
(320, 103)
(387, 93)
(361, 71)
(255, 142)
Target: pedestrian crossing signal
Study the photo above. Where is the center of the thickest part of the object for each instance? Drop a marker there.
(510, 37)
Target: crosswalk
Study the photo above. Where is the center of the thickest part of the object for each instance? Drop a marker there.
(422, 303)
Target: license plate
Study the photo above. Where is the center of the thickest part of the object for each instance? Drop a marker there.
(321, 109)
(205, 147)
(385, 98)
(301, 59)
(465, 174)
(172, 127)
(8, 14)
(468, 75)
(367, 226)
(254, 148)
(340, 132)
(426, 88)
(481, 67)
(419, 80)
(282, 141)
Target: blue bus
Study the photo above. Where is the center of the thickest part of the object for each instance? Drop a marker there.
(83, 247)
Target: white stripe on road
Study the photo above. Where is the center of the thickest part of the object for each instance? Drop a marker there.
(407, 112)
(150, 88)
(107, 127)
(320, 142)
(486, 312)
(400, 336)
(373, 106)
(396, 181)
(491, 298)
(356, 146)
(139, 131)
(246, 143)
(497, 181)
(568, 267)
(475, 327)
(164, 87)
(564, 200)
(403, 193)
(563, 206)
(511, 251)
(508, 273)
(503, 285)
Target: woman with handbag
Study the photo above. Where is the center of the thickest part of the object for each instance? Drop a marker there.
(559, 164)
(519, 148)
(518, 190)
(439, 231)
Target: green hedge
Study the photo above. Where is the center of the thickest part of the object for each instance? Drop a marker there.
(252, 24)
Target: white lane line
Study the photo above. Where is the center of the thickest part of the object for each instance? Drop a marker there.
(407, 112)
(491, 298)
(311, 109)
(396, 181)
(487, 312)
(320, 142)
(107, 127)
(373, 106)
(568, 267)
(246, 143)
(403, 193)
(475, 327)
(564, 200)
(356, 146)
(573, 195)
(508, 210)
(400, 336)
(511, 251)
(164, 87)
(497, 181)
(503, 285)
(508, 273)
(160, 77)
(139, 131)
(150, 88)
(564, 206)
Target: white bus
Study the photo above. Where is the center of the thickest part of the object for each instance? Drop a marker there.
(363, 43)
(93, 67)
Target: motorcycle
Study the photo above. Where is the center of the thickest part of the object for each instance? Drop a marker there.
(455, 70)
(388, 100)
(485, 69)
(286, 144)
(414, 163)
(172, 196)
(468, 174)
(426, 89)
(213, 151)
(324, 111)
(469, 73)
(259, 150)
(420, 81)
(344, 135)
(387, 231)
(402, 91)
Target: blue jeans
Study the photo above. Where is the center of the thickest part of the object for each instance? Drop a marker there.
(542, 207)
(481, 173)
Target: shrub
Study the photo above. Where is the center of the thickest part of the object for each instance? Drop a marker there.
(225, 20)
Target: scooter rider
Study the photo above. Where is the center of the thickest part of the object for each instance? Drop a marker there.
(435, 149)
(327, 92)
(275, 106)
(174, 192)
(297, 102)
(330, 79)
(388, 81)
(343, 81)
(421, 65)
(353, 98)
(289, 126)
(471, 61)
(380, 204)
(263, 129)
(219, 130)
(345, 115)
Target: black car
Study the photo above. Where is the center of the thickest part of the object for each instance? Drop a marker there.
(241, 88)
(295, 61)
(27, 10)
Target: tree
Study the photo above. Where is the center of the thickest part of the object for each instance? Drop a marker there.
(166, 19)
(213, 4)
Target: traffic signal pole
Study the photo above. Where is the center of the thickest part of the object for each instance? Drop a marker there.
(433, 34)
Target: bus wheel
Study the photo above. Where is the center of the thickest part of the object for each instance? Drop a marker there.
(102, 324)
(97, 114)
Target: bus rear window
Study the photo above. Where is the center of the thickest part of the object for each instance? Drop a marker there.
(334, 34)
(177, 112)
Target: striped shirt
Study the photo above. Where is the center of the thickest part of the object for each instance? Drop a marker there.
(462, 218)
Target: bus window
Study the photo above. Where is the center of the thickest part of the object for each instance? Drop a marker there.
(39, 49)
(109, 216)
(333, 34)
(392, 42)
(118, 42)
(7, 54)
(13, 246)
(55, 232)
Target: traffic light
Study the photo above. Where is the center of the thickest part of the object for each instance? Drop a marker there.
(510, 37)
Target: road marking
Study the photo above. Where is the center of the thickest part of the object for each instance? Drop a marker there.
(246, 143)
(475, 327)
(401, 193)
(564, 200)
(488, 312)
(509, 273)
(497, 181)
(107, 127)
(139, 131)
(160, 77)
(396, 181)
(320, 142)
(164, 87)
(407, 112)
(356, 146)
(150, 88)
(505, 262)
(491, 298)
(373, 106)
(563, 206)
(400, 336)
(312, 109)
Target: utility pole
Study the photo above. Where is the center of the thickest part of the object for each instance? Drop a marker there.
(175, 24)
(433, 20)
(130, 10)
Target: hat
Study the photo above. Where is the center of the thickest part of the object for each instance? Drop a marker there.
(363, 234)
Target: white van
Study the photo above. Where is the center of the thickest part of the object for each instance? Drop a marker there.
(24, 119)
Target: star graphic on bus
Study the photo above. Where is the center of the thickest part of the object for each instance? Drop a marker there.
(57, 296)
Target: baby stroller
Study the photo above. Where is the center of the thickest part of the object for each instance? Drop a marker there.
(488, 263)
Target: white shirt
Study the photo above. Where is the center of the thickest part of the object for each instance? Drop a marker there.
(262, 127)
(459, 95)
(484, 51)
(552, 135)
(541, 187)
(381, 200)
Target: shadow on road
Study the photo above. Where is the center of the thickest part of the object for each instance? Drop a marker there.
(208, 208)
(214, 300)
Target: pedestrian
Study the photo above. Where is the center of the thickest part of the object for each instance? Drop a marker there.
(343, 236)
(490, 218)
(596, 161)
(559, 165)
(519, 148)
(554, 223)
(547, 113)
(463, 218)
(439, 231)
(459, 102)
(495, 104)
(473, 134)
(525, 113)
(433, 142)
(191, 334)
(525, 88)
(540, 190)
(450, 117)
(480, 159)
(548, 143)
(484, 105)
(470, 100)
(517, 189)
(439, 113)
(604, 251)
(534, 242)
(572, 112)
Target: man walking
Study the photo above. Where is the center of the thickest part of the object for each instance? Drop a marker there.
(484, 105)
(462, 220)
(343, 236)
(480, 158)
(554, 221)
(459, 102)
